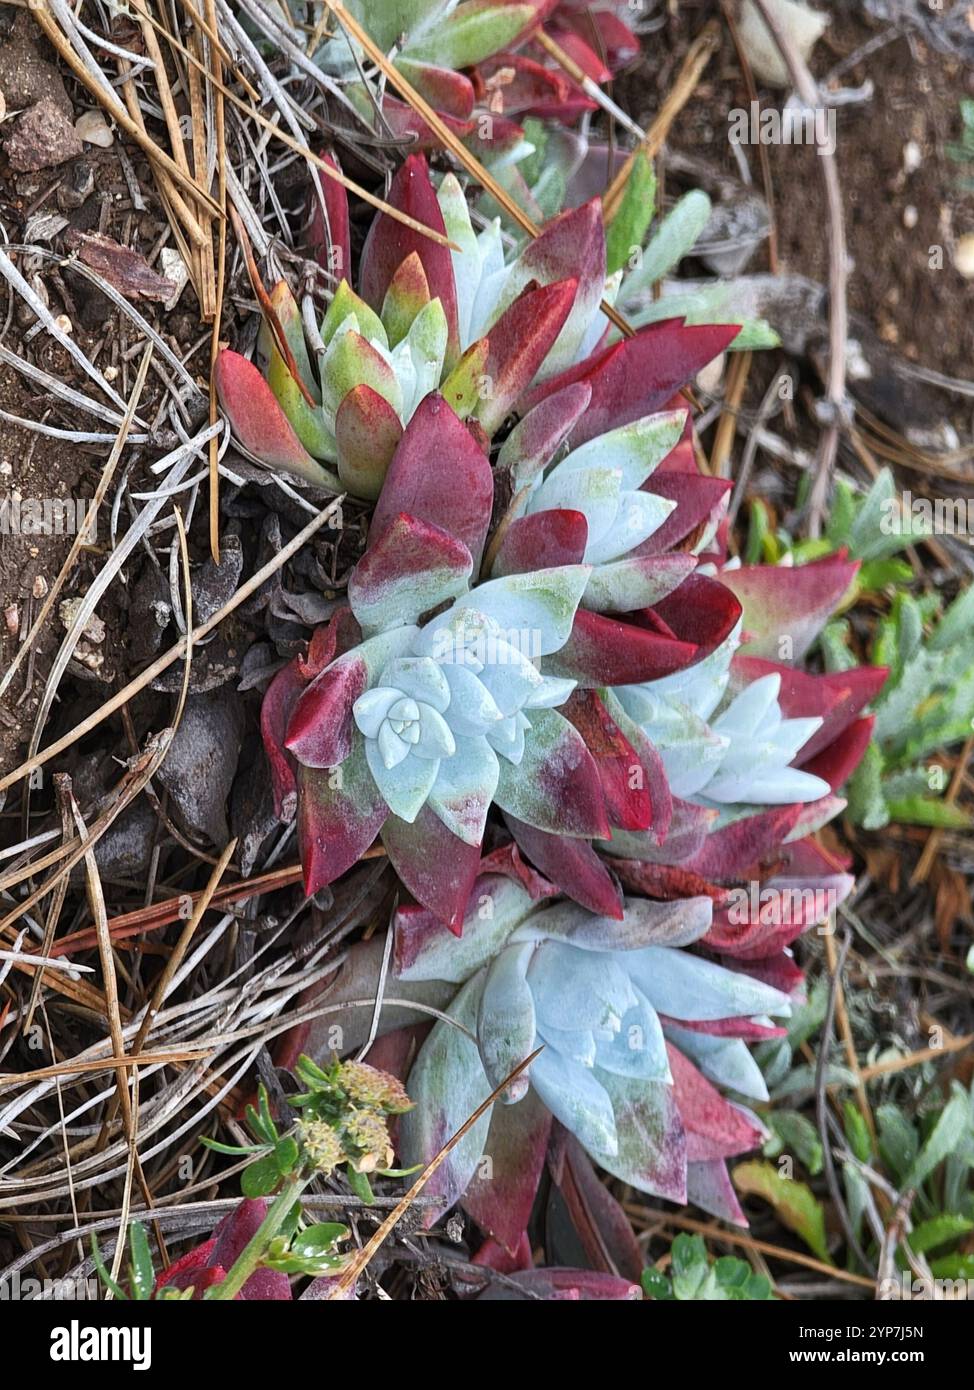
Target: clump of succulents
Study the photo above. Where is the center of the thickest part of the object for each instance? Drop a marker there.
(546, 649)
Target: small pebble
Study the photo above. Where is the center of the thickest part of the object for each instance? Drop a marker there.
(64, 323)
(912, 156)
(910, 217)
(964, 256)
(94, 628)
(92, 127)
(173, 268)
(39, 587)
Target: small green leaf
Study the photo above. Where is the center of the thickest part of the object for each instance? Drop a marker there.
(286, 1154)
(926, 810)
(102, 1271)
(656, 1285)
(232, 1150)
(928, 1235)
(261, 1178)
(857, 1132)
(898, 1142)
(360, 1185)
(630, 224)
(141, 1274)
(952, 1124)
(794, 1133)
(320, 1239)
(796, 1205)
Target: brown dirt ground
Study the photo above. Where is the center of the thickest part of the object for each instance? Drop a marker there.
(925, 314)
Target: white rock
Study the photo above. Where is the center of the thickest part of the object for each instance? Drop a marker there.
(174, 269)
(803, 25)
(964, 256)
(92, 127)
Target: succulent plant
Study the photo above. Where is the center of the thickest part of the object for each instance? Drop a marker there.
(475, 63)
(640, 1034)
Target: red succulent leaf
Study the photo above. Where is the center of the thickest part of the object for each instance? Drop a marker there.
(256, 418)
(328, 641)
(745, 1028)
(667, 881)
(838, 762)
(331, 246)
(627, 800)
(701, 611)
(729, 851)
(389, 242)
(492, 1255)
(275, 714)
(534, 441)
(411, 568)
(338, 818)
(367, 433)
(522, 84)
(437, 867)
(407, 124)
(564, 1286)
(518, 344)
(440, 475)
(697, 499)
(603, 1227)
(779, 971)
(557, 786)
(715, 1128)
(786, 606)
(573, 865)
(506, 860)
(516, 1142)
(639, 375)
(321, 728)
(605, 651)
(451, 93)
(541, 541)
(208, 1263)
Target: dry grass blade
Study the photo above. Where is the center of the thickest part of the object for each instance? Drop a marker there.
(174, 653)
(116, 109)
(719, 1233)
(81, 538)
(362, 1258)
(117, 1062)
(214, 78)
(180, 949)
(301, 148)
(96, 901)
(267, 308)
(62, 793)
(698, 56)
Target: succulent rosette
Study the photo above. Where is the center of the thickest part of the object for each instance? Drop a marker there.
(645, 1057)
(475, 61)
